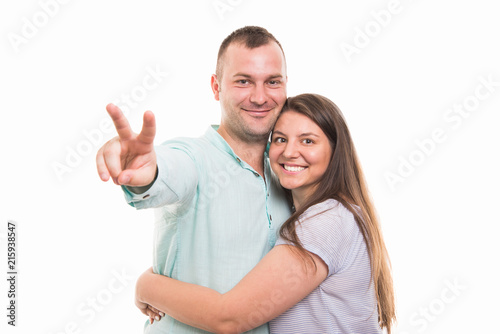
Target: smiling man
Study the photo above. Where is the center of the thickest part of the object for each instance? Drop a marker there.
(250, 83)
(218, 205)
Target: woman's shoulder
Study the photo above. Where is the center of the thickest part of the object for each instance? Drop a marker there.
(329, 217)
(329, 208)
(329, 230)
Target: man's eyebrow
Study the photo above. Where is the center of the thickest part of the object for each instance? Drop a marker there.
(274, 76)
(242, 75)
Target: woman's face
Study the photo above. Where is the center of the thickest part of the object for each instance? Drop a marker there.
(300, 153)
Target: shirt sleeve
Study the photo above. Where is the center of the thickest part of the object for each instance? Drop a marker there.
(176, 182)
(332, 235)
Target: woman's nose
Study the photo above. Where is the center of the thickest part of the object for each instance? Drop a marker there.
(290, 151)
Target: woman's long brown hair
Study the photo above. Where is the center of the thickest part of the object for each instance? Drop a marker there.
(344, 181)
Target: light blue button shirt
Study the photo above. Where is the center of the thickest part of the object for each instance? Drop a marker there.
(216, 217)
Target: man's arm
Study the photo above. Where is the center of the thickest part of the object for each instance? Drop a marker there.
(279, 281)
(130, 159)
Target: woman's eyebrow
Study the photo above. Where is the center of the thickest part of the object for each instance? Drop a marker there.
(305, 134)
(278, 132)
(308, 134)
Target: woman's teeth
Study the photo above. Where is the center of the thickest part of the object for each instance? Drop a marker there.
(293, 168)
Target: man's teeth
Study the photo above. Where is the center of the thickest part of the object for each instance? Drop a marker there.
(293, 168)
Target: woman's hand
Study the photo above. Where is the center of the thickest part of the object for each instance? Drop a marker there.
(150, 311)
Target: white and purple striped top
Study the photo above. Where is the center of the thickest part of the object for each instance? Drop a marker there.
(345, 301)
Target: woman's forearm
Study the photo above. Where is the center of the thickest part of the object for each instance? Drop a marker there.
(191, 304)
(279, 281)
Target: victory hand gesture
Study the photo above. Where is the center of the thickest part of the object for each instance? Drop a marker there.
(129, 159)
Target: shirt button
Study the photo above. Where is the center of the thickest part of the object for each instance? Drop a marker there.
(256, 174)
(238, 159)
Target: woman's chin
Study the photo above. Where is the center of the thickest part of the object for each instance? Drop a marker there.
(289, 185)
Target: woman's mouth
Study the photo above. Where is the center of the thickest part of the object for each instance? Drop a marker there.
(293, 169)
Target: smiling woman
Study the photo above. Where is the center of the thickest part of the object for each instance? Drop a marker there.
(313, 154)
(300, 153)
(329, 271)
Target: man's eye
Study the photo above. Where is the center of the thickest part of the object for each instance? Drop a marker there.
(274, 82)
(243, 81)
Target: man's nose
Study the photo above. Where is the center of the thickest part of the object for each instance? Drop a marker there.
(258, 95)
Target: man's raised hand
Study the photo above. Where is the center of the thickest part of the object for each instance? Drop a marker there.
(129, 159)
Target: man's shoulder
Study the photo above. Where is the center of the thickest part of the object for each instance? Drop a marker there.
(190, 144)
(203, 150)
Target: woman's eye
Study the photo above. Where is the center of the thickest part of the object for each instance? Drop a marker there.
(279, 140)
(307, 141)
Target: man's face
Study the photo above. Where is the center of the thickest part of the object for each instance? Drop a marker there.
(252, 90)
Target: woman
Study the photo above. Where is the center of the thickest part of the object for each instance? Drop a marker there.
(329, 271)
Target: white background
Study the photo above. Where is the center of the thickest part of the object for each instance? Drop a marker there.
(76, 233)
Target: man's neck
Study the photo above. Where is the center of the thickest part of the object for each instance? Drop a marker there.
(250, 152)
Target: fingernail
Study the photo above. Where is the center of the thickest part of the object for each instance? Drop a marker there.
(157, 318)
(115, 180)
(162, 314)
(126, 180)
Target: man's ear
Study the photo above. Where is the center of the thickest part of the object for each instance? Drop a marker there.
(215, 86)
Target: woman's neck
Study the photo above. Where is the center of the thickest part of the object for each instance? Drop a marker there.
(298, 199)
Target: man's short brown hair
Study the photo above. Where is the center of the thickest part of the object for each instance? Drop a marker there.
(249, 36)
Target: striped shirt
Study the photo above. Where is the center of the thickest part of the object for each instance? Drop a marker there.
(345, 301)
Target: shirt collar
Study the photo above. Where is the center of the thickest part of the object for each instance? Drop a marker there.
(216, 139)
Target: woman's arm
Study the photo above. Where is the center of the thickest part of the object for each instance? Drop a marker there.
(279, 281)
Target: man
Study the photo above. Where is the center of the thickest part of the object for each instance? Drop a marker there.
(219, 206)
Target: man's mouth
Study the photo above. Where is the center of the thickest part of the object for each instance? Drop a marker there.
(257, 111)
